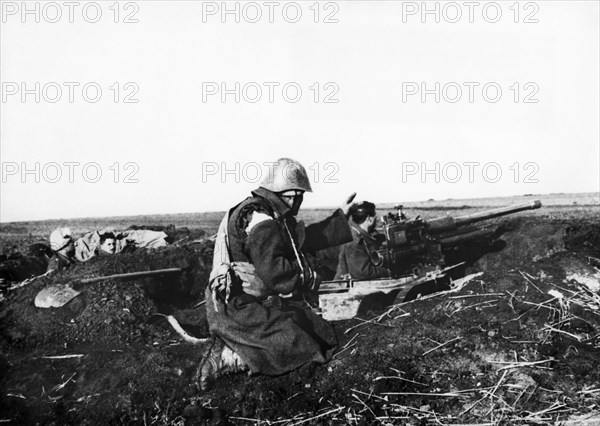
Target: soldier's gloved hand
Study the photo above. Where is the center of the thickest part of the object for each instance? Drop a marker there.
(348, 203)
(251, 283)
(218, 273)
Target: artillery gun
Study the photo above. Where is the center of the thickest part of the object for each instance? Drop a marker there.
(414, 245)
(415, 251)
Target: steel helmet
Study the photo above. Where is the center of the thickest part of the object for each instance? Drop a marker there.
(285, 175)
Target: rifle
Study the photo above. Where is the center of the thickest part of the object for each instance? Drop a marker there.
(58, 295)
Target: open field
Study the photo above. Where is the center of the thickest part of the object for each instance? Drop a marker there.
(38, 231)
(519, 344)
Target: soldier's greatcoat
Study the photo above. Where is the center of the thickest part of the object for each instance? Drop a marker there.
(273, 334)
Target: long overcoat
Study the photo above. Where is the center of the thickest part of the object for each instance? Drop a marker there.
(274, 334)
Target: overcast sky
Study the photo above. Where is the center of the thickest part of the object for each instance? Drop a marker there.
(176, 107)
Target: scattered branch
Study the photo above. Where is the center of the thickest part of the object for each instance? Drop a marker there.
(521, 364)
(442, 345)
(335, 410)
(62, 356)
(60, 386)
(530, 282)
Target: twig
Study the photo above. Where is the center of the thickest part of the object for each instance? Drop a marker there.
(245, 419)
(446, 395)
(462, 282)
(519, 397)
(541, 305)
(350, 341)
(572, 317)
(474, 390)
(15, 395)
(442, 344)
(27, 281)
(553, 407)
(473, 405)
(346, 348)
(473, 306)
(406, 314)
(523, 364)
(62, 356)
(365, 405)
(594, 261)
(588, 391)
(365, 322)
(175, 324)
(392, 418)
(62, 385)
(530, 282)
(398, 378)
(556, 330)
(519, 341)
(498, 384)
(476, 295)
(347, 345)
(370, 395)
(412, 409)
(320, 415)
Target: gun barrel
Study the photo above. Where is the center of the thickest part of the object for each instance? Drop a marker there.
(502, 211)
(448, 223)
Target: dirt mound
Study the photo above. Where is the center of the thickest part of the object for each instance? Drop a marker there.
(519, 344)
(109, 311)
(583, 237)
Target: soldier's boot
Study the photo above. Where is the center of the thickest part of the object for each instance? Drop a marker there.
(218, 361)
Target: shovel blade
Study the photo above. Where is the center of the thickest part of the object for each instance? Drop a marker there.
(55, 296)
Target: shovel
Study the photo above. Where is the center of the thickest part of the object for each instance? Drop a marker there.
(59, 295)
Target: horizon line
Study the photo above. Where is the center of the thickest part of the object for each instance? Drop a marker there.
(324, 207)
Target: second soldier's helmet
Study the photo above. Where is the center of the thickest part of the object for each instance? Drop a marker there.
(285, 175)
